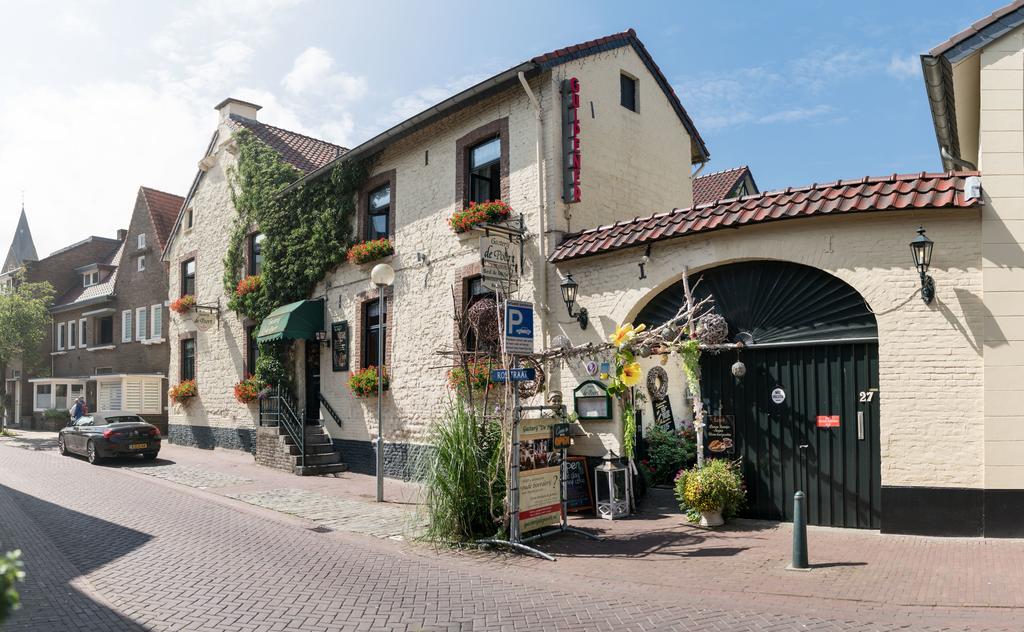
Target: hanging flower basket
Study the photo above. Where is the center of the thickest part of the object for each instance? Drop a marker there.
(368, 251)
(183, 392)
(476, 374)
(248, 285)
(363, 383)
(490, 212)
(184, 305)
(248, 390)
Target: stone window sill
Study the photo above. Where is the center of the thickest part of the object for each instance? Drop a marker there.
(103, 348)
(153, 341)
(57, 353)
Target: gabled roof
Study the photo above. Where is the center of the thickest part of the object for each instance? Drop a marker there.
(80, 296)
(719, 185)
(22, 247)
(305, 153)
(937, 68)
(891, 193)
(163, 210)
(487, 87)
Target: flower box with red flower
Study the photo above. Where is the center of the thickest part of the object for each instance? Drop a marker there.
(248, 285)
(473, 216)
(363, 383)
(183, 392)
(370, 251)
(248, 390)
(184, 305)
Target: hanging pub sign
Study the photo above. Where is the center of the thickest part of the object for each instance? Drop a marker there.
(571, 191)
(499, 269)
(339, 346)
(560, 433)
(720, 435)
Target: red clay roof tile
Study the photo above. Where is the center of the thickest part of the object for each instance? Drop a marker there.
(163, 211)
(715, 186)
(305, 153)
(889, 193)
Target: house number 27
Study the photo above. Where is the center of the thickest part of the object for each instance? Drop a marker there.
(866, 396)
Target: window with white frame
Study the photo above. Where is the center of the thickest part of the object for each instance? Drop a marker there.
(90, 278)
(60, 397)
(156, 322)
(83, 334)
(72, 334)
(140, 240)
(61, 332)
(140, 323)
(44, 396)
(126, 325)
(140, 263)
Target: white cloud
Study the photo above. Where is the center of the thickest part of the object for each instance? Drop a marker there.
(904, 66)
(411, 104)
(313, 73)
(795, 115)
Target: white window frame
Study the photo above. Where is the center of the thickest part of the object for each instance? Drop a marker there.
(141, 322)
(140, 241)
(156, 322)
(140, 263)
(83, 338)
(90, 279)
(126, 325)
(72, 334)
(61, 336)
(35, 396)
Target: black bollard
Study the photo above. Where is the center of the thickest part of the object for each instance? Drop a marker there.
(799, 562)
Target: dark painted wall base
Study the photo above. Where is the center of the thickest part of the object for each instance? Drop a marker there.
(401, 460)
(207, 437)
(940, 511)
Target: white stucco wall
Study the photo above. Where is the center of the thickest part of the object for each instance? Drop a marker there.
(930, 357)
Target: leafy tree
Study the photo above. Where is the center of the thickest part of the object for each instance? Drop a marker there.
(24, 320)
(10, 574)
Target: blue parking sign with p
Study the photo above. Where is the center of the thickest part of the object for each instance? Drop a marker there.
(518, 327)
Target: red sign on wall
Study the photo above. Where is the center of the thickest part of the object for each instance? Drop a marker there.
(571, 191)
(828, 421)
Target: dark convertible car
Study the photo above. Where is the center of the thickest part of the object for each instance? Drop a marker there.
(110, 434)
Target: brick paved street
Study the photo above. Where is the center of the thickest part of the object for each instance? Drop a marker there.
(107, 548)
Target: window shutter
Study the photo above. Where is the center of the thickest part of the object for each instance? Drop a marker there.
(140, 323)
(157, 322)
(126, 325)
(133, 396)
(109, 396)
(151, 396)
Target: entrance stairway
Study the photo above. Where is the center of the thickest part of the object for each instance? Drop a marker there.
(304, 449)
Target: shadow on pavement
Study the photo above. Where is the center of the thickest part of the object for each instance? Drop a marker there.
(27, 441)
(58, 546)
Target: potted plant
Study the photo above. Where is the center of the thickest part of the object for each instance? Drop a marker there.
(491, 212)
(475, 375)
(183, 392)
(372, 250)
(249, 389)
(711, 493)
(363, 383)
(184, 305)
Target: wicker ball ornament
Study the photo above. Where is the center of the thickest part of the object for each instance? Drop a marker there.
(483, 318)
(529, 388)
(712, 329)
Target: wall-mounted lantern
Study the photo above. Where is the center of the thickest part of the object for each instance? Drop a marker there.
(921, 247)
(569, 290)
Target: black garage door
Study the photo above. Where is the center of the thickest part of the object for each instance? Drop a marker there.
(830, 406)
(811, 355)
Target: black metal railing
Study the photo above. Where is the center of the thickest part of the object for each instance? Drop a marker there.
(330, 409)
(277, 409)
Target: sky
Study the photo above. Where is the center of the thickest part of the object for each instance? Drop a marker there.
(98, 97)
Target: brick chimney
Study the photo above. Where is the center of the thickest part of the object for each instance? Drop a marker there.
(122, 234)
(230, 106)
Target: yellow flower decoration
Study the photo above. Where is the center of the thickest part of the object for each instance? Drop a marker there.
(631, 374)
(624, 334)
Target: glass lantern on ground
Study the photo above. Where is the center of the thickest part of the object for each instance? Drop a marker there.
(612, 488)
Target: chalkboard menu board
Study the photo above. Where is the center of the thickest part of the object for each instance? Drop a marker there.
(339, 346)
(720, 436)
(579, 493)
(663, 414)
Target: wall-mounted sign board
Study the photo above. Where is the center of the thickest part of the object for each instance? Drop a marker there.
(339, 346)
(592, 401)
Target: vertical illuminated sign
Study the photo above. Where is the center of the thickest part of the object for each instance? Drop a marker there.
(571, 191)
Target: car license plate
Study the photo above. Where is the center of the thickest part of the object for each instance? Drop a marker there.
(139, 446)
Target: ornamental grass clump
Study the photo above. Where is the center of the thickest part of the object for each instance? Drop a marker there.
(363, 383)
(368, 251)
(718, 486)
(464, 481)
(492, 212)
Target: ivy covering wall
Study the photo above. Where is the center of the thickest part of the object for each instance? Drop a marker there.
(307, 231)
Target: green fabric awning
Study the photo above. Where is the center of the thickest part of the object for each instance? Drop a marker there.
(295, 321)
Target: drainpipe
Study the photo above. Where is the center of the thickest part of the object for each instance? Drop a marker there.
(696, 173)
(541, 194)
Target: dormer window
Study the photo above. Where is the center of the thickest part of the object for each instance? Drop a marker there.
(90, 278)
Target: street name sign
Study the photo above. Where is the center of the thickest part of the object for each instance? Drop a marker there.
(501, 376)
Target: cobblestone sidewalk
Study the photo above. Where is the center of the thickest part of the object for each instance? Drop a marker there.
(190, 475)
(337, 514)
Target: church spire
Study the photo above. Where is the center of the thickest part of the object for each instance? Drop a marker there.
(22, 247)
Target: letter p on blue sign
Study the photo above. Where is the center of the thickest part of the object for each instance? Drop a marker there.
(518, 327)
